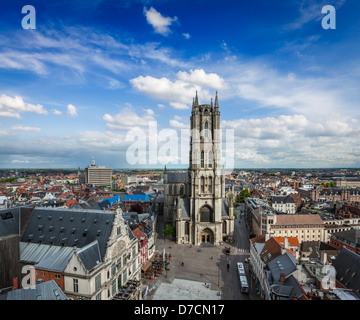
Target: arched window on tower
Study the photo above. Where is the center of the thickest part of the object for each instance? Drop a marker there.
(206, 129)
(202, 185)
(224, 227)
(182, 190)
(210, 159)
(202, 159)
(210, 181)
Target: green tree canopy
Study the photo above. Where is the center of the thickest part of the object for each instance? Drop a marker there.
(243, 195)
(169, 230)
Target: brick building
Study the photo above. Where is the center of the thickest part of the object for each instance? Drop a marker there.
(349, 239)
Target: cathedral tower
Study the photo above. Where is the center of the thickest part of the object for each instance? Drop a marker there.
(196, 201)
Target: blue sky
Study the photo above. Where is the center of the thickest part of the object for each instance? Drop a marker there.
(91, 72)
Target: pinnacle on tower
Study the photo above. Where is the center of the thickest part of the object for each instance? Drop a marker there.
(216, 103)
(196, 99)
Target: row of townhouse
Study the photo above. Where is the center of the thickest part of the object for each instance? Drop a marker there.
(279, 274)
(274, 268)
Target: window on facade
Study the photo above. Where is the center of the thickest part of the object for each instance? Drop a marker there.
(98, 296)
(206, 129)
(134, 251)
(210, 184)
(202, 159)
(206, 214)
(125, 276)
(210, 159)
(113, 288)
(119, 282)
(113, 269)
(181, 190)
(57, 276)
(202, 185)
(76, 285)
(98, 282)
(187, 228)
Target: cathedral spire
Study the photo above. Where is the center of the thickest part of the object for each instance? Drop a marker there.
(216, 103)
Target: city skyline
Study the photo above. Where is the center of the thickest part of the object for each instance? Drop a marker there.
(75, 86)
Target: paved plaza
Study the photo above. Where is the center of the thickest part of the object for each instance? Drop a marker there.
(185, 290)
(193, 266)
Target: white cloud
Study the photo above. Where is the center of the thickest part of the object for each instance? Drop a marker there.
(179, 106)
(179, 93)
(24, 128)
(178, 125)
(186, 35)
(71, 110)
(161, 105)
(160, 23)
(13, 107)
(57, 112)
(127, 119)
(20, 161)
(200, 77)
(115, 84)
(293, 141)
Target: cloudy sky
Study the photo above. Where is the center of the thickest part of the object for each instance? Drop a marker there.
(94, 76)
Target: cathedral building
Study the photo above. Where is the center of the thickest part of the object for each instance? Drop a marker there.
(195, 201)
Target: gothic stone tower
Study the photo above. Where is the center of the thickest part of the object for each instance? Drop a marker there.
(195, 201)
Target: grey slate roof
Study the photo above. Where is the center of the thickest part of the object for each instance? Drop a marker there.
(225, 208)
(34, 252)
(90, 255)
(282, 199)
(177, 177)
(285, 263)
(9, 219)
(287, 289)
(352, 235)
(56, 262)
(185, 207)
(48, 290)
(347, 266)
(61, 227)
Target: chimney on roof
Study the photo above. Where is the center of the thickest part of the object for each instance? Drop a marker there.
(323, 257)
(286, 243)
(282, 277)
(15, 283)
(267, 236)
(283, 250)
